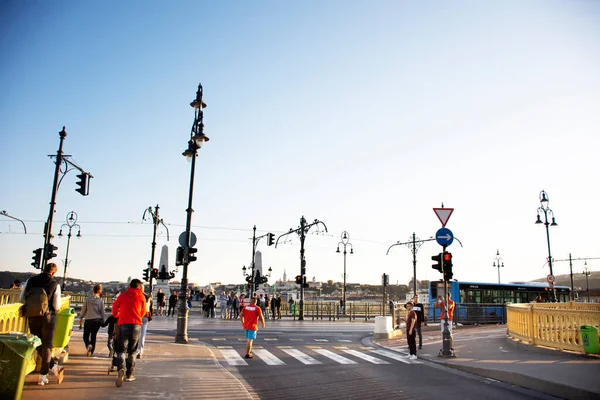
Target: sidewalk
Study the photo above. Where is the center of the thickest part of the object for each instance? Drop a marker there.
(167, 371)
(487, 351)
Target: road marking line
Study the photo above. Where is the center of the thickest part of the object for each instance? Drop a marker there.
(321, 340)
(232, 357)
(268, 357)
(297, 340)
(218, 338)
(396, 356)
(344, 340)
(284, 347)
(335, 357)
(339, 347)
(224, 347)
(366, 357)
(313, 347)
(532, 361)
(270, 339)
(300, 356)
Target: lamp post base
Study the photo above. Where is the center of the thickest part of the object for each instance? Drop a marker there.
(447, 348)
(182, 322)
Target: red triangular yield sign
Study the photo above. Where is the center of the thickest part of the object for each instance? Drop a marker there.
(443, 214)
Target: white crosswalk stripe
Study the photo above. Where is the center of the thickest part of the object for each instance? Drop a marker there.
(366, 357)
(300, 356)
(396, 356)
(267, 357)
(233, 357)
(333, 356)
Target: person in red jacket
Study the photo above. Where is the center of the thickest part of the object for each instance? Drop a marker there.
(249, 317)
(129, 308)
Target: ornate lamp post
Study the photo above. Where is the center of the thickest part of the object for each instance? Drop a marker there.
(345, 242)
(545, 211)
(587, 273)
(498, 262)
(197, 139)
(71, 223)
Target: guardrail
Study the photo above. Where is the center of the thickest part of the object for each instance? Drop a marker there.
(554, 325)
(12, 321)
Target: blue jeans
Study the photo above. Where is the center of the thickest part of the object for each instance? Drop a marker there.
(129, 336)
(143, 334)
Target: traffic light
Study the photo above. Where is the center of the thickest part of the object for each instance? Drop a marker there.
(270, 239)
(179, 256)
(256, 284)
(304, 284)
(447, 257)
(37, 258)
(155, 272)
(438, 262)
(298, 279)
(191, 256)
(147, 274)
(83, 184)
(50, 254)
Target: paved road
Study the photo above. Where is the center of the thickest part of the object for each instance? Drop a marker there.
(311, 360)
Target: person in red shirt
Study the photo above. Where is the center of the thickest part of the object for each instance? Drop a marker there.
(249, 317)
(129, 308)
(440, 305)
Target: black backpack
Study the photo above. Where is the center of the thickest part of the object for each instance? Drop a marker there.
(36, 302)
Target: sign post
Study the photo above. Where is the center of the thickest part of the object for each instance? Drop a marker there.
(444, 238)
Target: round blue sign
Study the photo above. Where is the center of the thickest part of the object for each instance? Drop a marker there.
(444, 237)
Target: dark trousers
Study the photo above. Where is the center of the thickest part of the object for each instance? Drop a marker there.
(418, 329)
(90, 330)
(43, 327)
(412, 342)
(171, 309)
(129, 337)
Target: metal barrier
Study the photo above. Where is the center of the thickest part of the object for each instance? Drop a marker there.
(554, 325)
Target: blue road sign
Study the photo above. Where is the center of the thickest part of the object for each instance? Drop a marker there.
(444, 237)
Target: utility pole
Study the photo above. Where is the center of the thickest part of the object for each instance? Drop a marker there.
(155, 222)
(301, 231)
(570, 260)
(413, 244)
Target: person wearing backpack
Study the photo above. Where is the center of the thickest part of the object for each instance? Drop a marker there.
(41, 301)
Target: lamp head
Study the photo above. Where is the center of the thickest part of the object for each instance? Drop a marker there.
(553, 222)
(60, 232)
(351, 250)
(337, 251)
(544, 198)
(539, 220)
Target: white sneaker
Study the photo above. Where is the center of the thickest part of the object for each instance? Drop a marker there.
(407, 356)
(59, 372)
(413, 357)
(43, 380)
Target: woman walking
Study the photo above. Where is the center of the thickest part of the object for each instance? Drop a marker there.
(93, 314)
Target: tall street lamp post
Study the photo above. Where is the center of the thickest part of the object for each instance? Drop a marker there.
(71, 223)
(345, 242)
(155, 221)
(545, 211)
(498, 262)
(197, 139)
(587, 273)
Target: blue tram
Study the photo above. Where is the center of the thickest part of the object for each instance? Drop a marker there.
(486, 302)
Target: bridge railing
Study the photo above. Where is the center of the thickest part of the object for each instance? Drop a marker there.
(555, 325)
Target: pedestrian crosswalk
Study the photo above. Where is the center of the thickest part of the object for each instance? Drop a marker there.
(312, 355)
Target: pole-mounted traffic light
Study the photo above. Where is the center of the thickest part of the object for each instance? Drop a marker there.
(50, 251)
(299, 279)
(83, 184)
(179, 256)
(447, 257)
(191, 256)
(438, 262)
(304, 284)
(37, 258)
(270, 239)
(147, 274)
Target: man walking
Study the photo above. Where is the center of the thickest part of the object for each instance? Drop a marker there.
(129, 308)
(43, 323)
(249, 317)
(420, 310)
(172, 304)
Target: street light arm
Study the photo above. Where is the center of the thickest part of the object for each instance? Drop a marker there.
(395, 244)
(163, 224)
(3, 212)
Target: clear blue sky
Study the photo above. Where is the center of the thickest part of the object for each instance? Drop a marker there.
(364, 114)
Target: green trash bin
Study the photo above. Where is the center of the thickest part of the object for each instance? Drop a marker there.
(64, 327)
(16, 351)
(589, 339)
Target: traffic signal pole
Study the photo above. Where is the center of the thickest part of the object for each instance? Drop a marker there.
(48, 228)
(446, 336)
(155, 222)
